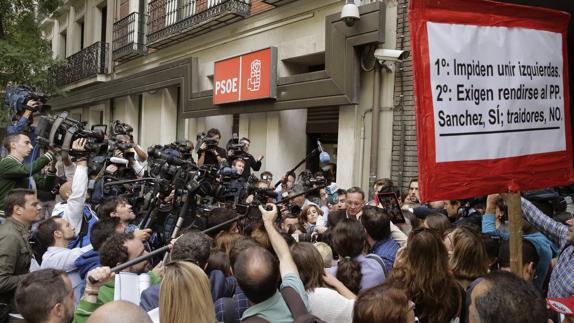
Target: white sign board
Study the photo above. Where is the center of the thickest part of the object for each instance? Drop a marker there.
(497, 91)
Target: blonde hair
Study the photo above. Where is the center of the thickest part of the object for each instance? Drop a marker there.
(185, 295)
(469, 259)
(326, 253)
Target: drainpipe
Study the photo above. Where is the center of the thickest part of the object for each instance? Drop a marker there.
(363, 137)
(373, 166)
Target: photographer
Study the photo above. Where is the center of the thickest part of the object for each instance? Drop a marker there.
(74, 209)
(237, 184)
(287, 183)
(208, 152)
(131, 151)
(118, 207)
(184, 149)
(15, 174)
(24, 125)
(250, 161)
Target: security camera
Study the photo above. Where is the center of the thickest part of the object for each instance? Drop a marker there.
(391, 55)
(350, 13)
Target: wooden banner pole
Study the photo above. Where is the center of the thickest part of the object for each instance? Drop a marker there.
(515, 230)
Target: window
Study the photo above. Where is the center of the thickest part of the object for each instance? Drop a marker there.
(62, 50)
(81, 30)
(103, 23)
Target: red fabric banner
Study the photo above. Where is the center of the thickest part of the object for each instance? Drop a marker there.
(492, 97)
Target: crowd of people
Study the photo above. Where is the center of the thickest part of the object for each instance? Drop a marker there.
(326, 257)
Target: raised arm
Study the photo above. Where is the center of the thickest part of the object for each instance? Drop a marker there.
(554, 230)
(398, 235)
(75, 204)
(286, 263)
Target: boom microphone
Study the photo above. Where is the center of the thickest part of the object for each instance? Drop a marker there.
(324, 157)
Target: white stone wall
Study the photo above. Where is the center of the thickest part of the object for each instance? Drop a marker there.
(297, 29)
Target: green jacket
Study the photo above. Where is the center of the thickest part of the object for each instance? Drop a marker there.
(15, 258)
(14, 174)
(105, 295)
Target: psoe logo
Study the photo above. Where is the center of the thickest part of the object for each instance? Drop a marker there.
(254, 81)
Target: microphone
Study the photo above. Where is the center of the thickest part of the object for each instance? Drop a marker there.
(324, 157)
(117, 160)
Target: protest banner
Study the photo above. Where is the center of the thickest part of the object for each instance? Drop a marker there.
(492, 97)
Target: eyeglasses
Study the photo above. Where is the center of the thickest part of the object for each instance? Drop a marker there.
(267, 178)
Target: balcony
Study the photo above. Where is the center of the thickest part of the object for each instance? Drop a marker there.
(278, 3)
(89, 62)
(129, 38)
(173, 21)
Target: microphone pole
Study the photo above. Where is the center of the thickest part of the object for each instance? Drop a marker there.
(287, 199)
(165, 248)
(315, 151)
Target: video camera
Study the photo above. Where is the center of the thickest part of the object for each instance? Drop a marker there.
(209, 142)
(236, 147)
(61, 132)
(120, 128)
(180, 149)
(309, 181)
(16, 98)
(185, 177)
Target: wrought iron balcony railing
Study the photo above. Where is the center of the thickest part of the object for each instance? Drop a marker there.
(278, 3)
(175, 20)
(86, 63)
(129, 37)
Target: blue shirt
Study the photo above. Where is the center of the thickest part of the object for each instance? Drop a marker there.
(387, 250)
(562, 278)
(90, 218)
(545, 248)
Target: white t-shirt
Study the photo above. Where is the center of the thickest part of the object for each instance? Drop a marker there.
(330, 306)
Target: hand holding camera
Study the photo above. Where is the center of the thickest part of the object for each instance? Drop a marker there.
(79, 144)
(79, 150)
(32, 105)
(203, 146)
(269, 213)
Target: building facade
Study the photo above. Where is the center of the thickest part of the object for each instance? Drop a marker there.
(151, 64)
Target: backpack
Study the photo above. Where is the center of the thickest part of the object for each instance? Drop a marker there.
(296, 307)
(89, 218)
(380, 261)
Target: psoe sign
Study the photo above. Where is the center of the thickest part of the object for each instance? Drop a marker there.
(250, 76)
